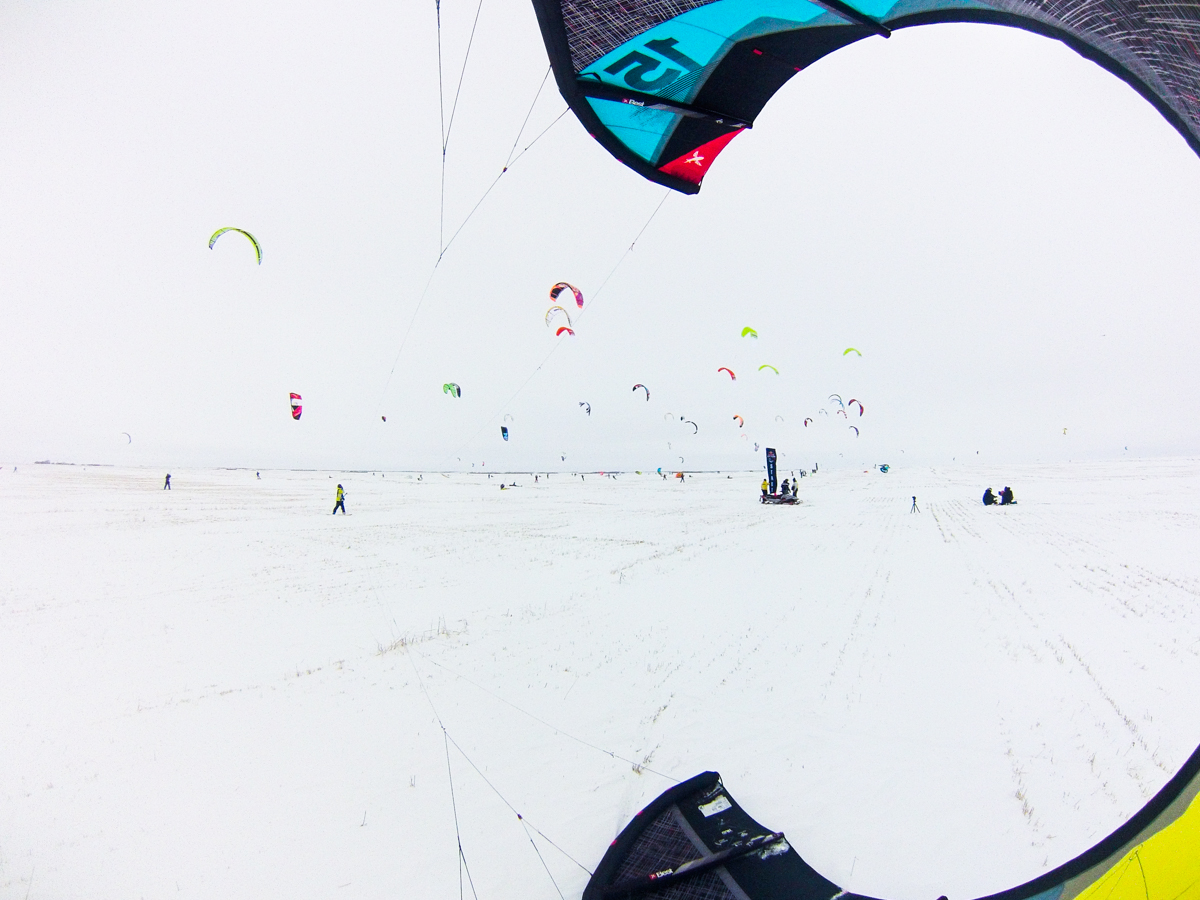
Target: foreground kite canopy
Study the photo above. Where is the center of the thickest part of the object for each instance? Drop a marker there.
(696, 842)
(665, 85)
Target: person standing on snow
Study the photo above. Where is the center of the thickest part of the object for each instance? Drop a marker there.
(167, 483)
(765, 487)
(341, 501)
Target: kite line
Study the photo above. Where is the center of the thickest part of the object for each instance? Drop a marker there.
(553, 728)
(508, 163)
(525, 823)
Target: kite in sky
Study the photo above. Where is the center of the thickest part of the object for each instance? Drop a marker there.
(296, 400)
(220, 231)
(665, 85)
(563, 286)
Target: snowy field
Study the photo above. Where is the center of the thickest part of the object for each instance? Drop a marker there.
(224, 692)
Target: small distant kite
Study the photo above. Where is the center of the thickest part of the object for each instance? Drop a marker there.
(860, 406)
(741, 422)
(838, 398)
(128, 437)
(507, 417)
(732, 377)
(562, 329)
(749, 332)
(586, 406)
(849, 350)
(854, 429)
(1064, 431)
(644, 388)
(384, 418)
(695, 427)
(668, 417)
(806, 421)
(452, 389)
(220, 231)
(557, 309)
(842, 413)
(563, 286)
(768, 366)
(504, 432)
(779, 418)
(296, 400)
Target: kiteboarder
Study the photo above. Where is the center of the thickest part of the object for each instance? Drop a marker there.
(765, 487)
(1006, 496)
(167, 482)
(989, 498)
(341, 501)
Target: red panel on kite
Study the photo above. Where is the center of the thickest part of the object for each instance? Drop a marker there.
(693, 166)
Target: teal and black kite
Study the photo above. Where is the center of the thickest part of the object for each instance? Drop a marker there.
(665, 85)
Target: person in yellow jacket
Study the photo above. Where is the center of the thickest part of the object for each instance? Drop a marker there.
(765, 487)
(341, 501)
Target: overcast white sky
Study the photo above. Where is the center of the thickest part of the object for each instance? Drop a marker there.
(1007, 232)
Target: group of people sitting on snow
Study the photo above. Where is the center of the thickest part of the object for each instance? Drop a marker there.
(1004, 499)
